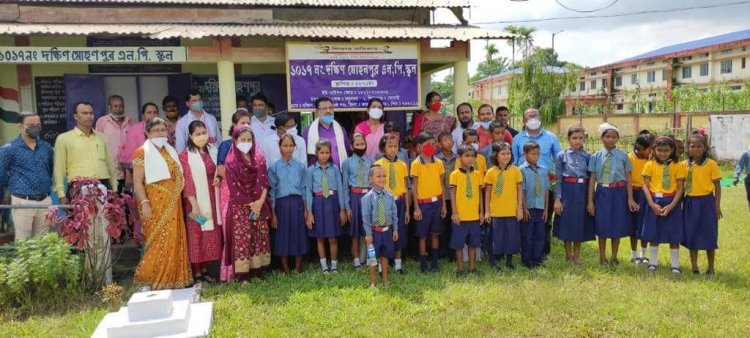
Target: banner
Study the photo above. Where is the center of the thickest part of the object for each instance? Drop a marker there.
(104, 55)
(352, 73)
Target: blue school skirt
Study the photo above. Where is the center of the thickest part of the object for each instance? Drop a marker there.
(355, 225)
(636, 218)
(574, 224)
(403, 232)
(326, 214)
(612, 214)
(663, 229)
(701, 222)
(291, 231)
(506, 236)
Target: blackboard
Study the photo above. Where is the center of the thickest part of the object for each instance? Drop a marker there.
(50, 105)
(246, 86)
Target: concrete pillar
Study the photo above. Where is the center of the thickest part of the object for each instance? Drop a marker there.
(227, 94)
(461, 84)
(426, 81)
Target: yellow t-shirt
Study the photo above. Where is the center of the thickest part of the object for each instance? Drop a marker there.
(654, 170)
(429, 177)
(703, 177)
(506, 204)
(468, 208)
(399, 167)
(636, 178)
(480, 163)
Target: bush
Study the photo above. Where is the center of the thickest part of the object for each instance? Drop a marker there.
(39, 268)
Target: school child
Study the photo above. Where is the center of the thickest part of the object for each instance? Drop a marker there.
(497, 131)
(702, 204)
(356, 185)
(448, 156)
(574, 224)
(381, 221)
(471, 137)
(391, 128)
(535, 206)
(429, 205)
(326, 202)
(613, 202)
(743, 164)
(396, 182)
(503, 205)
(466, 184)
(638, 158)
(287, 179)
(663, 179)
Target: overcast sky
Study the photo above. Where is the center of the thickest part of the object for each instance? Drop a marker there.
(598, 41)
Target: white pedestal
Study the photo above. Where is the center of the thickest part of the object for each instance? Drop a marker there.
(150, 305)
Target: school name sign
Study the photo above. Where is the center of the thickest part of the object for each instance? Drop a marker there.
(352, 73)
(102, 55)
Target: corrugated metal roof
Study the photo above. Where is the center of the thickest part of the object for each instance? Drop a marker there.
(547, 69)
(197, 31)
(686, 46)
(281, 3)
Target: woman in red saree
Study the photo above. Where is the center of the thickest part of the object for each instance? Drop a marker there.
(247, 247)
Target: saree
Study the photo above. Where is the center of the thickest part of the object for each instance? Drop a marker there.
(164, 264)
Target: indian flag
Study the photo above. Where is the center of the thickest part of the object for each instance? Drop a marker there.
(9, 109)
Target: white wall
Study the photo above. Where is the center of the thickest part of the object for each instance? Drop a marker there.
(730, 135)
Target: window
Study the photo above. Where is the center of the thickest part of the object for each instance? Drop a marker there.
(604, 83)
(735, 88)
(633, 79)
(651, 94)
(726, 67)
(726, 51)
(619, 106)
(498, 91)
(573, 88)
(743, 63)
(634, 67)
(704, 69)
(687, 72)
(650, 64)
(664, 75)
(687, 58)
(593, 84)
(618, 81)
(582, 86)
(651, 76)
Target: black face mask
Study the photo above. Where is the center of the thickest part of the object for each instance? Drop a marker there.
(33, 131)
(359, 152)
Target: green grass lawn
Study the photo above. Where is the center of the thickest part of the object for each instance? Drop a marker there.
(555, 300)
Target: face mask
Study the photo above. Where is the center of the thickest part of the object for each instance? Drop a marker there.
(533, 124)
(327, 119)
(428, 149)
(159, 142)
(359, 152)
(485, 125)
(245, 147)
(375, 113)
(292, 131)
(197, 106)
(466, 124)
(434, 106)
(200, 140)
(33, 131)
(260, 113)
(476, 146)
(117, 117)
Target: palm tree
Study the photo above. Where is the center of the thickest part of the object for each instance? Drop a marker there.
(524, 39)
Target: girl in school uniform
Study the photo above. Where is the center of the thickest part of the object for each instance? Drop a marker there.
(613, 202)
(326, 201)
(571, 193)
(638, 158)
(356, 184)
(503, 194)
(287, 178)
(396, 182)
(701, 207)
(663, 179)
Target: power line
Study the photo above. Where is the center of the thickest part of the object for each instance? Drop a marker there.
(585, 11)
(667, 10)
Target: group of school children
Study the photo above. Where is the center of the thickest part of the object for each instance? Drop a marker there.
(646, 194)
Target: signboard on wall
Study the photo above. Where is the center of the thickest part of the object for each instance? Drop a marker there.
(352, 73)
(208, 85)
(50, 105)
(133, 41)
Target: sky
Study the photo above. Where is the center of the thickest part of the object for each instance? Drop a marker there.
(593, 42)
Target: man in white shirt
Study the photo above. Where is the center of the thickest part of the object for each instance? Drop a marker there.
(263, 125)
(194, 101)
(285, 124)
(465, 113)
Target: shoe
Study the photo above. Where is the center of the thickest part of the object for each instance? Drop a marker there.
(209, 279)
(334, 270)
(635, 260)
(696, 272)
(325, 272)
(614, 263)
(434, 268)
(652, 267)
(400, 271)
(676, 271)
(645, 261)
(357, 267)
(709, 273)
(460, 273)
(603, 263)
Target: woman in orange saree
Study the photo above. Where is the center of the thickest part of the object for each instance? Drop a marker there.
(158, 182)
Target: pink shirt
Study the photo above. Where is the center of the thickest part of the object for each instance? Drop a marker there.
(371, 138)
(114, 134)
(136, 135)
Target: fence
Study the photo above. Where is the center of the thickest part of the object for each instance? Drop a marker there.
(631, 124)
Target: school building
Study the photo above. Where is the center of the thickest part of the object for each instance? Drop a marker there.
(56, 52)
(646, 77)
(494, 89)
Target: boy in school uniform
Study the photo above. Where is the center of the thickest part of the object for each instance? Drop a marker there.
(449, 158)
(397, 181)
(380, 220)
(466, 195)
(497, 131)
(429, 205)
(535, 187)
(471, 137)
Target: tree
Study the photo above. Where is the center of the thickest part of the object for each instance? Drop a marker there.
(491, 65)
(524, 39)
(446, 89)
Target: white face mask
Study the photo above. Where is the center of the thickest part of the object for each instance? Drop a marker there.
(245, 147)
(375, 113)
(159, 142)
(533, 124)
(476, 146)
(292, 131)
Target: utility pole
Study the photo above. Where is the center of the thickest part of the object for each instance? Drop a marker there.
(553, 38)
